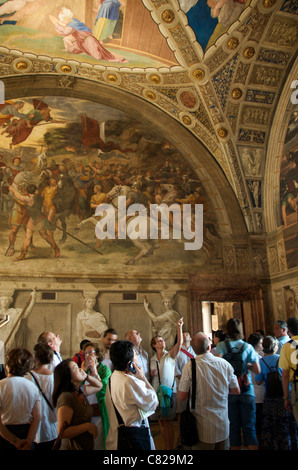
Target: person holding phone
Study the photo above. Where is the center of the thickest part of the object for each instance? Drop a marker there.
(130, 400)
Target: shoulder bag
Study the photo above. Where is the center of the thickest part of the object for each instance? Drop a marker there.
(131, 437)
(188, 423)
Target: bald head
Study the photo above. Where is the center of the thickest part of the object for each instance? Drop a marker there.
(201, 343)
(133, 336)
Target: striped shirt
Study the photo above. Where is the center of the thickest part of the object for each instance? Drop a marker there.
(214, 377)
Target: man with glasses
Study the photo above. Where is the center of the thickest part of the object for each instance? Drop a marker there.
(280, 329)
(143, 358)
(54, 341)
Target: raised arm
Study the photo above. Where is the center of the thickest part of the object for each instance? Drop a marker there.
(176, 348)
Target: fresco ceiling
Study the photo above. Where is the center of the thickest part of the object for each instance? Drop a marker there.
(216, 68)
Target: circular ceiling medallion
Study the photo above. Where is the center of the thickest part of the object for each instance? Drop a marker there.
(186, 120)
(222, 132)
(150, 95)
(22, 65)
(233, 43)
(199, 74)
(155, 79)
(236, 93)
(168, 16)
(65, 68)
(269, 3)
(187, 99)
(249, 52)
(112, 78)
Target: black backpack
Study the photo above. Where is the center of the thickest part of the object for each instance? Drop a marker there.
(273, 381)
(234, 357)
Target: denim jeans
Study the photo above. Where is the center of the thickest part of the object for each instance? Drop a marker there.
(242, 416)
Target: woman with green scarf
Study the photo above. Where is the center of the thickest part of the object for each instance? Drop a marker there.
(92, 365)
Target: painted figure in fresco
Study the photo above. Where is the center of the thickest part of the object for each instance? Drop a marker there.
(90, 324)
(18, 214)
(165, 325)
(226, 11)
(36, 221)
(83, 183)
(10, 109)
(20, 129)
(12, 6)
(106, 19)
(210, 18)
(78, 38)
(48, 194)
(10, 320)
(64, 199)
(288, 187)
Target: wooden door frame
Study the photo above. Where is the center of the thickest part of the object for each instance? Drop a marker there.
(244, 289)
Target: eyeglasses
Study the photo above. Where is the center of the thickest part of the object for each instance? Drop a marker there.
(89, 352)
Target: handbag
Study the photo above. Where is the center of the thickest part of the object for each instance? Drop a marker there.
(131, 437)
(188, 423)
(165, 396)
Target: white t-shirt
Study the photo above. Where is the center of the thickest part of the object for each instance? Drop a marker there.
(166, 368)
(17, 399)
(47, 430)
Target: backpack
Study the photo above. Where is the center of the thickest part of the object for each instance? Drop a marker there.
(236, 360)
(273, 382)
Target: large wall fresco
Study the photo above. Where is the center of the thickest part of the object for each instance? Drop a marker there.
(289, 191)
(76, 152)
(109, 32)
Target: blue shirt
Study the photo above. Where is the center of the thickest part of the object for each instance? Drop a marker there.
(249, 356)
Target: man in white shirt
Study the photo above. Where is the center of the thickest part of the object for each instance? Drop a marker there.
(130, 393)
(215, 380)
(54, 341)
(143, 361)
(185, 354)
(280, 329)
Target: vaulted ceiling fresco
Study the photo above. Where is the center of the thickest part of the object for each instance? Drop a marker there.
(218, 69)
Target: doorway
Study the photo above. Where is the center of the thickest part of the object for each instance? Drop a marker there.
(216, 314)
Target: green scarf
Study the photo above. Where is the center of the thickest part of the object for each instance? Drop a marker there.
(104, 373)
